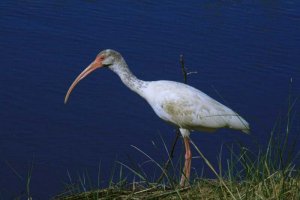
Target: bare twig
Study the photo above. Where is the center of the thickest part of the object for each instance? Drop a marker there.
(184, 73)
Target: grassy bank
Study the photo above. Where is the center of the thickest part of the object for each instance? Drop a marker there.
(274, 187)
(271, 172)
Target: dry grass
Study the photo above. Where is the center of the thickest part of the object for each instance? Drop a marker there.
(200, 189)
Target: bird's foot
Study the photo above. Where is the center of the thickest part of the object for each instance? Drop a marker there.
(184, 181)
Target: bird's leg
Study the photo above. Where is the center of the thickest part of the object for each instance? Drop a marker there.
(187, 164)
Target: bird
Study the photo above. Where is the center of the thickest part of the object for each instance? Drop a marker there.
(178, 104)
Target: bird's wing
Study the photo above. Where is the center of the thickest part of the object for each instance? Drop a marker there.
(190, 108)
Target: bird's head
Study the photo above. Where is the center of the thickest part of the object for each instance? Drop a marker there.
(106, 58)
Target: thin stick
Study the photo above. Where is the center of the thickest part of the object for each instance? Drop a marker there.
(166, 165)
(184, 73)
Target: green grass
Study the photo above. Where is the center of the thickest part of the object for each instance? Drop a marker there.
(24, 194)
(270, 172)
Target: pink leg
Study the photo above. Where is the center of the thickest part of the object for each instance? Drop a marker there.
(187, 164)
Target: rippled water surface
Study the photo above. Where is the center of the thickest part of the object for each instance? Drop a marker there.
(245, 54)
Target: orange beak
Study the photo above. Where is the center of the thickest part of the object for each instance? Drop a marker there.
(92, 67)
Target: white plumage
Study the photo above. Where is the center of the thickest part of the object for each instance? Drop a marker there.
(189, 108)
(176, 103)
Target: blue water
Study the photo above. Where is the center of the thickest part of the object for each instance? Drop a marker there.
(245, 53)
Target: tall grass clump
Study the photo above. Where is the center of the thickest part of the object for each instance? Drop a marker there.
(269, 172)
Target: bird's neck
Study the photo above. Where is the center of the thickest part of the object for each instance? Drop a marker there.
(127, 77)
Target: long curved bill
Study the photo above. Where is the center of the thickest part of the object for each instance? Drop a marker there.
(93, 66)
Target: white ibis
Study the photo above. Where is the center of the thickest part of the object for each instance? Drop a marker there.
(176, 103)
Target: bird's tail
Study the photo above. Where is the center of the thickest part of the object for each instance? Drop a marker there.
(239, 123)
(247, 131)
